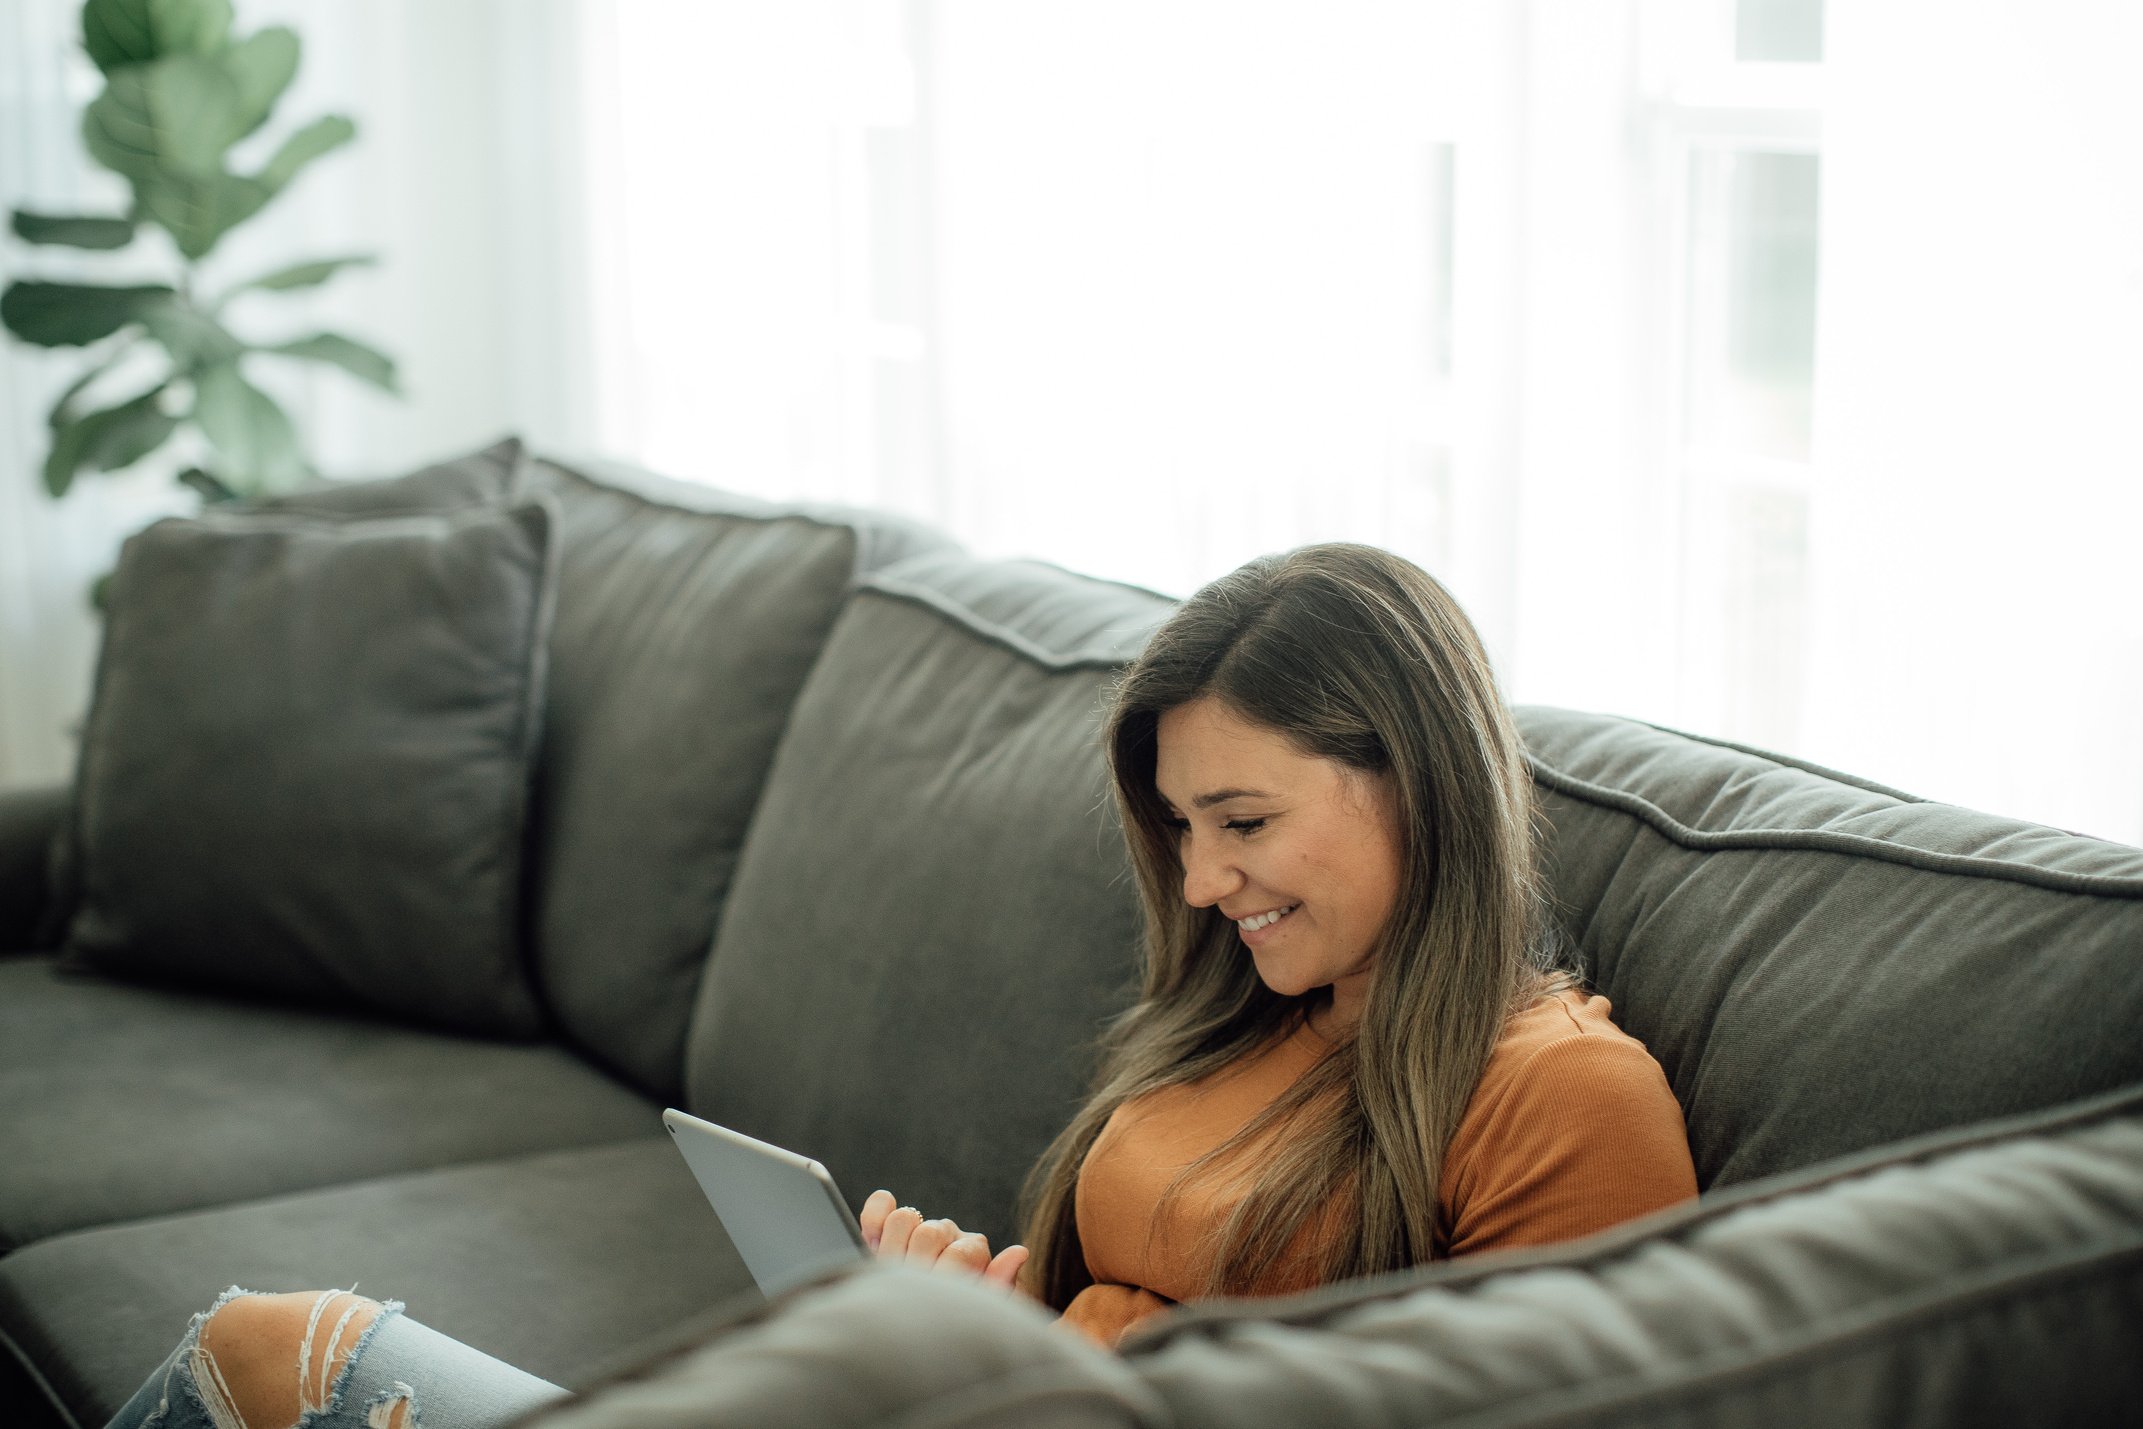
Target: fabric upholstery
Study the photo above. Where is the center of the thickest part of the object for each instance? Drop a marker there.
(30, 820)
(933, 915)
(306, 762)
(1990, 1277)
(1821, 964)
(687, 621)
(120, 1101)
(561, 1264)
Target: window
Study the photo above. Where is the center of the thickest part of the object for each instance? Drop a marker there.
(1734, 140)
(1622, 319)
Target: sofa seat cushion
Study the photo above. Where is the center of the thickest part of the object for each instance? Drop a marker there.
(119, 1101)
(562, 1263)
(1821, 964)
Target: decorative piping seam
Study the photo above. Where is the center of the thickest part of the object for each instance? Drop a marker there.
(1787, 760)
(617, 479)
(1829, 841)
(937, 602)
(1813, 1340)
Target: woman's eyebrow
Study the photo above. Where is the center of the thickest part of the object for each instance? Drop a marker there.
(1221, 796)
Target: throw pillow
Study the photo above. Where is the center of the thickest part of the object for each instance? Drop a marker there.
(304, 772)
(489, 477)
(485, 478)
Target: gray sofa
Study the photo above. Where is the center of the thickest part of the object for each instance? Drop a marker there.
(818, 846)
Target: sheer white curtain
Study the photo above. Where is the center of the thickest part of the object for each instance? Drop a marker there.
(1751, 366)
(1743, 367)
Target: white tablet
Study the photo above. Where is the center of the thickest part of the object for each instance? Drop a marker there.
(782, 1211)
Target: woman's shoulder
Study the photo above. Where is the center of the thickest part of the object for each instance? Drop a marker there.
(1567, 1043)
(1573, 1127)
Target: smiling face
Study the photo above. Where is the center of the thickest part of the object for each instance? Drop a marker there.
(1263, 828)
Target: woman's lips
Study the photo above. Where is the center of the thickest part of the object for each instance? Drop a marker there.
(1258, 937)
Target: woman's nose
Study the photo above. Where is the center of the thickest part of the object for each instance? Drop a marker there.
(1206, 878)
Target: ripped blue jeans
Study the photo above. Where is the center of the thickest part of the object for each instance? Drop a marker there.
(433, 1380)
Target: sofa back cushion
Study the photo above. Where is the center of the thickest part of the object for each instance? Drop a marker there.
(687, 620)
(934, 915)
(1822, 964)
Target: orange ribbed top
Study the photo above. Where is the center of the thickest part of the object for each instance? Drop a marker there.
(1573, 1128)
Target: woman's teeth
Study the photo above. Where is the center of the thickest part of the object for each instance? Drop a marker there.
(1266, 920)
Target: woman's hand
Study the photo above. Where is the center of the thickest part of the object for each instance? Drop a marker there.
(897, 1232)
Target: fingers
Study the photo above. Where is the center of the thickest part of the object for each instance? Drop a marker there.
(1004, 1270)
(929, 1242)
(897, 1231)
(876, 1208)
(967, 1254)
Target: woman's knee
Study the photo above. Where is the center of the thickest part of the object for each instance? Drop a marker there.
(270, 1358)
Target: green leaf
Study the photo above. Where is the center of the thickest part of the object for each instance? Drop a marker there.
(108, 439)
(199, 211)
(70, 314)
(253, 435)
(261, 67)
(193, 338)
(128, 441)
(179, 113)
(128, 32)
(214, 492)
(370, 363)
(62, 411)
(322, 136)
(303, 275)
(75, 232)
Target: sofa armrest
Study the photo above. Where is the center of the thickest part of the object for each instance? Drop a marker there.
(1984, 1275)
(30, 822)
(883, 1344)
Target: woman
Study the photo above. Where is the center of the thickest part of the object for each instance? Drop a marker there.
(1353, 1051)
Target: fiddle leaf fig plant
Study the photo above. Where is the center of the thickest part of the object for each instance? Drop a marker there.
(180, 90)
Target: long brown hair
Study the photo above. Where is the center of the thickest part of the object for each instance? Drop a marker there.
(1359, 656)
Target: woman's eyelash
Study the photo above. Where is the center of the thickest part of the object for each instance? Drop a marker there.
(1241, 826)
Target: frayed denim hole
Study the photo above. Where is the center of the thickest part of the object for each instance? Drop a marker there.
(387, 1311)
(379, 1409)
(179, 1367)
